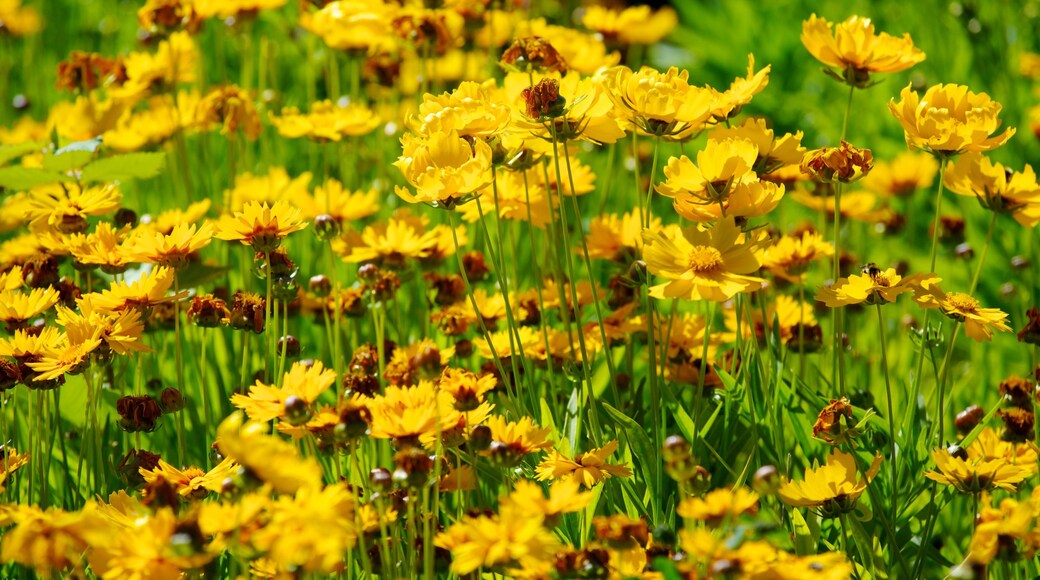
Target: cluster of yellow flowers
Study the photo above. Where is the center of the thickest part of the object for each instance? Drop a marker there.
(496, 333)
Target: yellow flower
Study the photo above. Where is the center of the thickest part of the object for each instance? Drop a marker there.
(565, 497)
(402, 237)
(589, 468)
(786, 312)
(192, 483)
(268, 458)
(856, 51)
(477, 110)
(65, 209)
(466, 388)
(749, 197)
(617, 237)
(311, 530)
(173, 249)
(719, 506)
(703, 265)
(579, 108)
(790, 256)
(143, 547)
(659, 104)
(145, 292)
(19, 20)
(999, 532)
(164, 115)
(873, 286)
(326, 121)
(232, 108)
(832, 488)
(274, 186)
(773, 152)
(949, 120)
(856, 205)
(106, 246)
(291, 401)
(729, 103)
(630, 25)
(260, 225)
(66, 358)
(234, 8)
(175, 62)
(512, 440)
(902, 176)
(51, 540)
(10, 462)
(120, 332)
(996, 187)
(719, 166)
(343, 205)
(584, 53)
(17, 307)
(979, 322)
(407, 414)
(354, 25)
(444, 168)
(986, 464)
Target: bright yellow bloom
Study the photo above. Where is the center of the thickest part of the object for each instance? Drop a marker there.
(565, 497)
(589, 468)
(122, 331)
(192, 482)
(730, 102)
(586, 114)
(290, 401)
(979, 322)
(231, 108)
(66, 358)
(65, 209)
(10, 462)
(659, 104)
(269, 458)
(986, 464)
(873, 286)
(19, 20)
(832, 488)
(719, 165)
(630, 25)
(310, 531)
(51, 540)
(407, 413)
(719, 506)
(345, 206)
(790, 256)
(617, 237)
(354, 25)
(17, 307)
(444, 168)
(516, 540)
(584, 53)
(173, 249)
(785, 312)
(773, 152)
(902, 176)
(749, 197)
(949, 120)
(856, 51)
(260, 225)
(271, 187)
(145, 292)
(512, 440)
(703, 265)
(402, 237)
(477, 110)
(326, 121)
(234, 8)
(1009, 528)
(174, 62)
(143, 547)
(106, 246)
(996, 187)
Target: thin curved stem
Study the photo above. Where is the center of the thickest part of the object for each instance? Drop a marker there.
(982, 256)
(891, 418)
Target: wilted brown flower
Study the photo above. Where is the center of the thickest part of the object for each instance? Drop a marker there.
(1030, 333)
(247, 311)
(208, 311)
(138, 413)
(844, 164)
(829, 425)
(534, 54)
(543, 100)
(86, 71)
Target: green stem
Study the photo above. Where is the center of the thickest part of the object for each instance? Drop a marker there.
(891, 419)
(982, 256)
(944, 373)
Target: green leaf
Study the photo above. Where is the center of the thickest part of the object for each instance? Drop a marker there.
(20, 178)
(90, 145)
(198, 274)
(804, 540)
(124, 167)
(9, 152)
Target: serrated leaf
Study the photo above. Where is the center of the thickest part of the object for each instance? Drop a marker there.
(21, 178)
(9, 152)
(124, 167)
(63, 160)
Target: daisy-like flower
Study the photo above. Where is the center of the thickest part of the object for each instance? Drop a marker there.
(617, 237)
(986, 464)
(855, 50)
(173, 249)
(1005, 531)
(512, 440)
(28, 347)
(790, 256)
(949, 120)
(17, 307)
(589, 468)
(67, 357)
(571, 106)
(728, 104)
(192, 482)
(478, 110)
(271, 187)
(107, 247)
(232, 109)
(873, 286)
(659, 104)
(719, 165)
(326, 121)
(908, 172)
(772, 152)
(979, 322)
(66, 209)
(468, 389)
(345, 206)
(565, 497)
(404, 236)
(292, 400)
(719, 506)
(50, 541)
(359, 26)
(150, 289)
(703, 265)
(630, 25)
(10, 462)
(260, 225)
(997, 188)
(406, 414)
(270, 459)
(832, 488)
(444, 168)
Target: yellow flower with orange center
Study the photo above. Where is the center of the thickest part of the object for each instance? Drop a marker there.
(192, 482)
(997, 188)
(589, 468)
(172, 249)
(150, 289)
(790, 256)
(512, 440)
(17, 307)
(986, 464)
(65, 209)
(856, 50)
(291, 400)
(979, 322)
(949, 120)
(832, 488)
(260, 225)
(873, 286)
(703, 265)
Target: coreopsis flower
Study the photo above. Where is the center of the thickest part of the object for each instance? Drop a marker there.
(1005, 532)
(533, 54)
(163, 116)
(19, 20)
(855, 50)
(86, 71)
(949, 120)
(51, 540)
(408, 413)
(617, 237)
(107, 247)
(832, 488)
(719, 166)
(873, 286)
(466, 388)
(784, 312)
(630, 25)
(659, 104)
(326, 121)
(165, 221)
(151, 289)
(311, 530)
(703, 265)
(514, 540)
(260, 225)
(719, 506)
(192, 482)
(357, 26)
(997, 188)
(589, 468)
(17, 307)
(581, 52)
(790, 256)
(172, 249)
(565, 497)
(477, 110)
(402, 237)
(10, 462)
(232, 109)
(267, 458)
(345, 206)
(564, 108)
(66, 209)
(979, 322)
(66, 357)
(292, 399)
(521, 197)
(842, 164)
(28, 347)
(730, 102)
(512, 440)
(772, 152)
(432, 29)
(902, 176)
(444, 168)
(988, 463)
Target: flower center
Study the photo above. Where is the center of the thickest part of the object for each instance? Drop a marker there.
(704, 260)
(962, 302)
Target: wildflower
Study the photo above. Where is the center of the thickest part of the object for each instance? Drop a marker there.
(444, 168)
(949, 120)
(790, 256)
(18, 20)
(873, 286)
(772, 152)
(979, 322)
(248, 311)
(86, 71)
(589, 468)
(65, 209)
(533, 54)
(719, 505)
(901, 177)
(581, 52)
(1004, 532)
(659, 104)
(512, 440)
(835, 423)
(168, 15)
(265, 457)
(563, 108)
(719, 166)
(10, 462)
(466, 388)
(173, 249)
(51, 540)
(477, 110)
(844, 164)
(326, 122)
(630, 25)
(290, 401)
(832, 488)
(565, 497)
(354, 25)
(311, 530)
(260, 225)
(192, 483)
(407, 413)
(997, 188)
(66, 358)
(17, 307)
(703, 265)
(617, 237)
(274, 186)
(729, 103)
(231, 108)
(986, 464)
(856, 51)
(785, 313)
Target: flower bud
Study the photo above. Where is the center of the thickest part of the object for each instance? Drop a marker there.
(171, 400)
(138, 413)
(290, 345)
(326, 227)
(208, 311)
(766, 480)
(968, 418)
(297, 411)
(320, 285)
